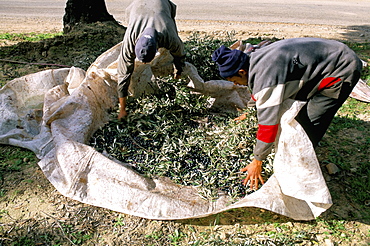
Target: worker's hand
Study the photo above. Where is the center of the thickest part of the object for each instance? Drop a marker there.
(177, 76)
(241, 117)
(122, 114)
(254, 170)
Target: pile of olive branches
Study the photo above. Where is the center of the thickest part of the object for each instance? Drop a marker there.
(175, 134)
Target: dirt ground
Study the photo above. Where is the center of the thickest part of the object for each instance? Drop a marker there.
(242, 29)
(34, 206)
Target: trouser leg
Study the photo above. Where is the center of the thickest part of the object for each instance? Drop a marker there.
(316, 116)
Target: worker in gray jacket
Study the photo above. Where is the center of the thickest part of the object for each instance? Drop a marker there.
(321, 72)
(151, 25)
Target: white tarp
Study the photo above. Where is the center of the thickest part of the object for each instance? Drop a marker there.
(55, 112)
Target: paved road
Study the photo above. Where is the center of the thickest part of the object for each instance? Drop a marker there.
(327, 12)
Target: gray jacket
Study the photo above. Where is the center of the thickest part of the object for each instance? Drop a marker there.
(297, 68)
(142, 14)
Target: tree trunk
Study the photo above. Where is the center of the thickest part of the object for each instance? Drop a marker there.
(85, 11)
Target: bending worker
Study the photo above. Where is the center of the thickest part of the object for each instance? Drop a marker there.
(321, 72)
(151, 26)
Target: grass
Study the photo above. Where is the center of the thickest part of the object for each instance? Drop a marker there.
(14, 159)
(79, 224)
(15, 70)
(28, 37)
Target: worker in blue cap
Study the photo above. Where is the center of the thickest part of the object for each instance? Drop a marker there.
(151, 25)
(318, 71)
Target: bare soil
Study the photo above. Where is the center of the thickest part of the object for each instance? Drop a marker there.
(31, 210)
(243, 30)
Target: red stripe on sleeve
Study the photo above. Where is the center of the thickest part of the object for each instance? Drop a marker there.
(253, 98)
(267, 133)
(327, 82)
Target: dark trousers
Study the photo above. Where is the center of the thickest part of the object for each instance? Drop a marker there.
(316, 116)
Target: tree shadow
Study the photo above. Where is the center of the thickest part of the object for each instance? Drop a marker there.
(345, 146)
(356, 33)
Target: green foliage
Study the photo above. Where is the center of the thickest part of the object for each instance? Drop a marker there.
(77, 237)
(120, 221)
(13, 159)
(176, 237)
(199, 51)
(363, 51)
(174, 134)
(3, 211)
(270, 237)
(335, 227)
(24, 241)
(28, 37)
(155, 235)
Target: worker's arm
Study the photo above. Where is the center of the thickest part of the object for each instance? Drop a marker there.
(126, 64)
(178, 53)
(122, 108)
(268, 107)
(124, 77)
(172, 42)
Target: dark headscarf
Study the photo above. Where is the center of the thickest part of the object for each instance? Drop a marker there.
(229, 61)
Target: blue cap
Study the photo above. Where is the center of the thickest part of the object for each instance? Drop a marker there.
(146, 45)
(229, 61)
